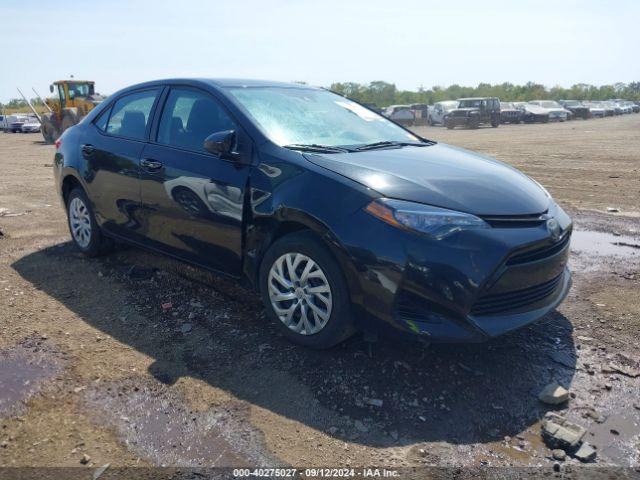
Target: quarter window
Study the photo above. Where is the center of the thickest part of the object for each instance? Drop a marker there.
(190, 116)
(101, 121)
(130, 115)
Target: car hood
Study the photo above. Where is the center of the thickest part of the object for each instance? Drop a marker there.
(466, 109)
(443, 176)
(536, 109)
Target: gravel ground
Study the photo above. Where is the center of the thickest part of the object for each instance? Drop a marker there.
(94, 371)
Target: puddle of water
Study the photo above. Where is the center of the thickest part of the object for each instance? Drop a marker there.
(157, 424)
(21, 375)
(604, 244)
(593, 251)
(619, 448)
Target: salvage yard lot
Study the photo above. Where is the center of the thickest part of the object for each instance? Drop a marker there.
(133, 359)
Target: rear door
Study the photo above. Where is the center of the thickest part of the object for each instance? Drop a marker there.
(193, 200)
(112, 150)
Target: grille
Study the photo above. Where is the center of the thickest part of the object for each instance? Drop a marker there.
(539, 253)
(496, 303)
(517, 221)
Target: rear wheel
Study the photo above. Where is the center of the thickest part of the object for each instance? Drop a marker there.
(304, 292)
(85, 232)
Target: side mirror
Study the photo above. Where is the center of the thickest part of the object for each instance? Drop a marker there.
(220, 143)
(51, 88)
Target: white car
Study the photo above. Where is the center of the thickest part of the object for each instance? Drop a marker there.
(596, 109)
(400, 113)
(13, 123)
(439, 111)
(554, 109)
(30, 127)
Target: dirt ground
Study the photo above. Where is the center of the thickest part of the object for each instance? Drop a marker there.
(94, 371)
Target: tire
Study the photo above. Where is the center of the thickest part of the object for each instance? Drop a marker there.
(495, 123)
(48, 130)
(68, 121)
(296, 250)
(88, 237)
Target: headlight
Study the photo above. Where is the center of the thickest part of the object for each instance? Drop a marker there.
(434, 221)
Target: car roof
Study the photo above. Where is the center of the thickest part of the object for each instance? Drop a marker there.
(223, 83)
(477, 98)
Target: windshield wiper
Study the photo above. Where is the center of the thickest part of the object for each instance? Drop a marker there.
(387, 143)
(315, 147)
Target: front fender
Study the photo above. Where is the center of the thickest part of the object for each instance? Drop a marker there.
(289, 196)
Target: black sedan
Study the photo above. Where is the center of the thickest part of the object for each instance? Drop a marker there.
(340, 219)
(577, 109)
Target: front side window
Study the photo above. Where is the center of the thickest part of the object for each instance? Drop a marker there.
(309, 116)
(130, 115)
(189, 117)
(470, 103)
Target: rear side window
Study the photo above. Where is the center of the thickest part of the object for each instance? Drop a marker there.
(130, 115)
(190, 116)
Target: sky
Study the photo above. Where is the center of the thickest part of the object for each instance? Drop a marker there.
(410, 43)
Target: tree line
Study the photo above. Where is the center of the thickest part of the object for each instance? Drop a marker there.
(383, 94)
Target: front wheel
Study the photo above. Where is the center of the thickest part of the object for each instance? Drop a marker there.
(85, 232)
(304, 292)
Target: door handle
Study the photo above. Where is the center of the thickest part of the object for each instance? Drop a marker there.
(87, 149)
(151, 164)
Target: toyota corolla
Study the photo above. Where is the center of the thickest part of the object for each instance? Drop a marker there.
(341, 219)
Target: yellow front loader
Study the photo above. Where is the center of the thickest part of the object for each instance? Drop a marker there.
(73, 100)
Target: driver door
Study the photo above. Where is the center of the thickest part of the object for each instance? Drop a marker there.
(192, 200)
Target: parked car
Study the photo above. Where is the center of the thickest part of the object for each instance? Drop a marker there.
(612, 107)
(13, 123)
(439, 111)
(400, 113)
(532, 113)
(420, 113)
(338, 217)
(596, 109)
(625, 106)
(509, 113)
(32, 126)
(472, 112)
(578, 109)
(609, 108)
(634, 107)
(553, 108)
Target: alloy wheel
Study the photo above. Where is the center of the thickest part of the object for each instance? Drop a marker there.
(80, 222)
(300, 293)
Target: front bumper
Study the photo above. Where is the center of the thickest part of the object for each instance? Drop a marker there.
(470, 287)
(462, 121)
